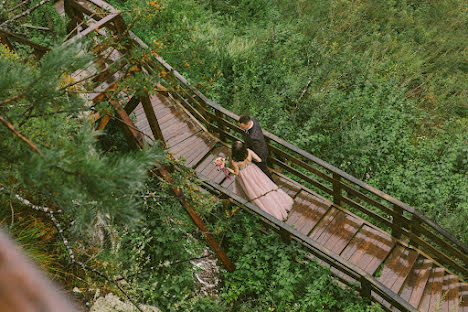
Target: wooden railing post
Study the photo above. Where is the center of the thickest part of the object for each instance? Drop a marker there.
(365, 288)
(221, 127)
(285, 236)
(75, 16)
(413, 230)
(397, 221)
(151, 117)
(5, 41)
(337, 195)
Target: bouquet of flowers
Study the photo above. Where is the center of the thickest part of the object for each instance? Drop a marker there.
(220, 164)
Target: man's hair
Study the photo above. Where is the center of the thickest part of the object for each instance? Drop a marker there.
(244, 119)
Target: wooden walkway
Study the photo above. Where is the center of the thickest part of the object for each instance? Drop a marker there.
(418, 279)
(181, 116)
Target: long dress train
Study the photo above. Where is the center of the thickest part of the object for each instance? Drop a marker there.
(264, 193)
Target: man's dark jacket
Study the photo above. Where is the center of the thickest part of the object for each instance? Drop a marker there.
(255, 140)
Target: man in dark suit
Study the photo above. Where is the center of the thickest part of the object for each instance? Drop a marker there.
(254, 139)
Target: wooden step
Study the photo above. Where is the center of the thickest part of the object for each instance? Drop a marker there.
(397, 267)
(286, 185)
(336, 230)
(431, 295)
(194, 148)
(450, 291)
(208, 169)
(307, 211)
(368, 249)
(414, 285)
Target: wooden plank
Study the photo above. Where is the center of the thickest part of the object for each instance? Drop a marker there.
(95, 26)
(368, 248)
(452, 296)
(308, 214)
(432, 291)
(174, 122)
(414, 285)
(322, 226)
(195, 148)
(173, 140)
(166, 117)
(179, 126)
(229, 183)
(397, 267)
(444, 305)
(178, 149)
(339, 232)
(463, 292)
(209, 142)
(221, 151)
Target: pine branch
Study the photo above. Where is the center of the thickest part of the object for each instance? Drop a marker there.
(20, 135)
(50, 213)
(28, 11)
(13, 98)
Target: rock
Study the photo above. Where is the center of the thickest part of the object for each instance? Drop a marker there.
(112, 303)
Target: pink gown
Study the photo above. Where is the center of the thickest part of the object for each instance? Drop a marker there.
(253, 184)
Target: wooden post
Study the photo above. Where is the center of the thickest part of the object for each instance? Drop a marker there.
(365, 288)
(397, 221)
(75, 16)
(271, 155)
(196, 219)
(5, 41)
(151, 117)
(221, 127)
(132, 104)
(285, 236)
(337, 196)
(413, 230)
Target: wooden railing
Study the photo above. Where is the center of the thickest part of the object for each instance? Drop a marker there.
(386, 212)
(348, 273)
(7, 37)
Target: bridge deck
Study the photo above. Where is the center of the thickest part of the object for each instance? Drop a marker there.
(421, 281)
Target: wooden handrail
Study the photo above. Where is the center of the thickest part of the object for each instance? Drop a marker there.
(351, 270)
(39, 50)
(399, 220)
(403, 220)
(223, 122)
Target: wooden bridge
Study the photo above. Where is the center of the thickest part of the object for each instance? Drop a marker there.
(374, 243)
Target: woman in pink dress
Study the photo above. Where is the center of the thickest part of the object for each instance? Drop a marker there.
(255, 185)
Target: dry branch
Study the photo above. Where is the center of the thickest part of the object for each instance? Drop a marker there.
(36, 27)
(18, 6)
(28, 11)
(20, 135)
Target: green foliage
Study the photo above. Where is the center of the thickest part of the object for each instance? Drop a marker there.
(273, 276)
(71, 173)
(270, 275)
(375, 88)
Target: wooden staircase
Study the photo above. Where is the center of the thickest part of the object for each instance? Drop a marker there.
(383, 248)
